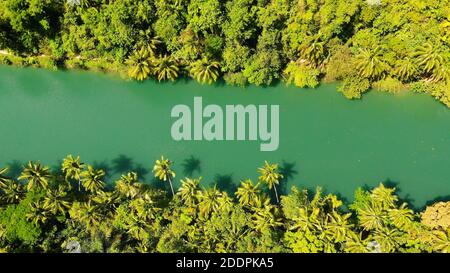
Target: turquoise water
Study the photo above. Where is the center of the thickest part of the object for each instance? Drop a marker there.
(325, 139)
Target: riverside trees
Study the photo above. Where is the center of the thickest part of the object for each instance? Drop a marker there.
(388, 45)
(133, 217)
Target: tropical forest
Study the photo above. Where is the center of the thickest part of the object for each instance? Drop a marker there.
(72, 209)
(391, 45)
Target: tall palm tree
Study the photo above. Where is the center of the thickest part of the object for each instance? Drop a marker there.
(141, 64)
(210, 200)
(55, 202)
(38, 176)
(163, 172)
(405, 69)
(205, 71)
(92, 180)
(166, 68)
(38, 214)
(72, 168)
(269, 175)
(370, 64)
(248, 193)
(188, 191)
(384, 196)
(264, 219)
(401, 217)
(428, 57)
(127, 185)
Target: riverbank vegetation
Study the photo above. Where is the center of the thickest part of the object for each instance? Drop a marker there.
(73, 209)
(389, 45)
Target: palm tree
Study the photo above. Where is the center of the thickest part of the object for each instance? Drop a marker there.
(210, 200)
(247, 193)
(163, 172)
(3, 178)
(313, 52)
(188, 191)
(88, 214)
(91, 179)
(140, 63)
(72, 167)
(264, 219)
(428, 57)
(127, 185)
(166, 68)
(148, 42)
(38, 214)
(401, 217)
(371, 217)
(369, 63)
(55, 201)
(205, 71)
(384, 196)
(11, 191)
(405, 69)
(37, 175)
(270, 176)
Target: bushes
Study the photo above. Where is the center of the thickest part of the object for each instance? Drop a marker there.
(301, 75)
(389, 84)
(354, 87)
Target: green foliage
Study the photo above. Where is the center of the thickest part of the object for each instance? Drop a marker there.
(354, 87)
(301, 75)
(133, 217)
(389, 84)
(256, 42)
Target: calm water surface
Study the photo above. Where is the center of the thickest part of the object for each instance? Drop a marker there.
(325, 139)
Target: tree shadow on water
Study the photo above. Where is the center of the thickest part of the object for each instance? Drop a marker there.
(123, 164)
(15, 167)
(191, 165)
(288, 172)
(225, 183)
(103, 165)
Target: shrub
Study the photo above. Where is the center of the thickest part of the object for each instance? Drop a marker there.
(353, 87)
(301, 75)
(389, 84)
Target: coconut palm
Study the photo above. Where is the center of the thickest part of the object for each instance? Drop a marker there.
(442, 73)
(88, 214)
(405, 69)
(401, 217)
(384, 196)
(3, 177)
(39, 214)
(127, 185)
(269, 175)
(37, 175)
(313, 52)
(91, 179)
(371, 217)
(163, 172)
(428, 57)
(205, 71)
(188, 191)
(264, 219)
(72, 168)
(370, 64)
(166, 68)
(210, 200)
(441, 240)
(55, 202)
(337, 226)
(11, 191)
(248, 193)
(141, 63)
(148, 42)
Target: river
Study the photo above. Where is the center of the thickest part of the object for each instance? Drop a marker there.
(325, 139)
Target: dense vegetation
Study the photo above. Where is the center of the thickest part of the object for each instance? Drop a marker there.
(384, 44)
(73, 210)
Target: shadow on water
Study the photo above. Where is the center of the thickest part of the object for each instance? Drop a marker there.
(191, 165)
(225, 182)
(445, 198)
(103, 165)
(123, 164)
(15, 167)
(287, 169)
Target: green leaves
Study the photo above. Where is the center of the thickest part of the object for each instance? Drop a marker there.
(205, 71)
